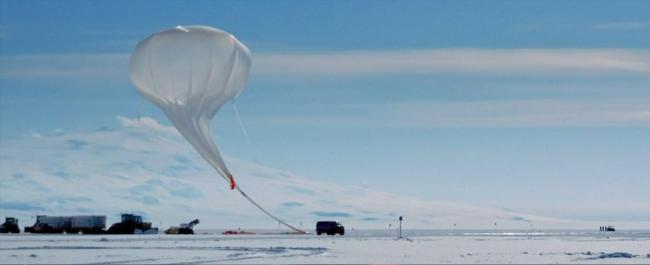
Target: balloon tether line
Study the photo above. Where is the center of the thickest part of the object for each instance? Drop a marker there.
(248, 141)
(245, 132)
(267, 213)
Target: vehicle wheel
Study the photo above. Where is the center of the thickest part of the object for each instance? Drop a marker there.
(318, 233)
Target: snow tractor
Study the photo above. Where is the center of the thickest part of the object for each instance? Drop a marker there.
(132, 224)
(10, 226)
(183, 229)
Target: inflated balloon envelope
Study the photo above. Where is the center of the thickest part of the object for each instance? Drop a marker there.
(190, 72)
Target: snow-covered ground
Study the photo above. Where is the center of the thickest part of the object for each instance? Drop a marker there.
(357, 247)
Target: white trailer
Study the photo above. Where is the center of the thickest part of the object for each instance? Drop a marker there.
(68, 224)
(88, 222)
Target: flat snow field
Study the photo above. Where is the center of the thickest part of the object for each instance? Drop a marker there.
(356, 247)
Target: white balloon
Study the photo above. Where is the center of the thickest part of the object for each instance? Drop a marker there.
(190, 72)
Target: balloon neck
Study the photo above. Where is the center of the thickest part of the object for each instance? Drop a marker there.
(232, 182)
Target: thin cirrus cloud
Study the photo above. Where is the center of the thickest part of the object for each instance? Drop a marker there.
(530, 113)
(457, 61)
(487, 113)
(74, 66)
(360, 63)
(624, 25)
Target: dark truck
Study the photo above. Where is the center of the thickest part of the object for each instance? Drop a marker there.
(329, 227)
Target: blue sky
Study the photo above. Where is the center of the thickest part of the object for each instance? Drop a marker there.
(517, 104)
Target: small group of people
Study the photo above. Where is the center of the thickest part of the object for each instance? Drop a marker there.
(607, 228)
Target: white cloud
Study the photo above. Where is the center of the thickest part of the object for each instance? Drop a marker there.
(146, 123)
(289, 65)
(138, 170)
(34, 134)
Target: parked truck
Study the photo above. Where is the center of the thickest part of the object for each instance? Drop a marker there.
(132, 224)
(330, 228)
(87, 224)
(10, 226)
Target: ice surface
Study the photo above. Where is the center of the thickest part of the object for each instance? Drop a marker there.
(361, 247)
